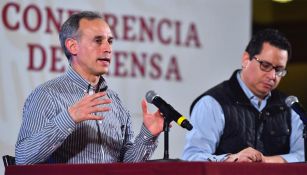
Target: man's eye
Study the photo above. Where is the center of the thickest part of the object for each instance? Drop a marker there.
(110, 41)
(266, 65)
(99, 41)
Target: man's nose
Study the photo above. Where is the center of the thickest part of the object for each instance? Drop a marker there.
(272, 74)
(107, 47)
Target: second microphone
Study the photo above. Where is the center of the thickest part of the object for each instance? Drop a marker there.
(167, 110)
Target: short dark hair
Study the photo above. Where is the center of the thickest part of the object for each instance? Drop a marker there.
(272, 36)
(70, 27)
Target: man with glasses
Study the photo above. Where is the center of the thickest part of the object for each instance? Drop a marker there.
(245, 119)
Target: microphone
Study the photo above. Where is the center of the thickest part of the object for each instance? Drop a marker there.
(292, 102)
(167, 110)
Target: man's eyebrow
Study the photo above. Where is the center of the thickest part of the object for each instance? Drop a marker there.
(98, 37)
(102, 37)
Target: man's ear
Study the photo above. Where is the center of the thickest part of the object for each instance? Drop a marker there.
(72, 46)
(245, 60)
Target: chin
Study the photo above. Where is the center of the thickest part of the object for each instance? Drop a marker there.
(102, 72)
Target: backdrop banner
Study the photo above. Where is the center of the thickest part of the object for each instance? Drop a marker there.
(177, 48)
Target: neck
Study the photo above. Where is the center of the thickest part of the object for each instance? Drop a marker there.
(243, 78)
(92, 79)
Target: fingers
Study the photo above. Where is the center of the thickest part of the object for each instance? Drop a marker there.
(88, 99)
(232, 158)
(245, 159)
(86, 108)
(253, 154)
(94, 117)
(98, 109)
(257, 157)
(97, 102)
(246, 155)
(144, 106)
(152, 121)
(238, 158)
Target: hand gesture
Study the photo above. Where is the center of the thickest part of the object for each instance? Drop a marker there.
(152, 121)
(86, 108)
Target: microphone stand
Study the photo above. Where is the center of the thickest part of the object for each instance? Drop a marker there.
(166, 124)
(166, 158)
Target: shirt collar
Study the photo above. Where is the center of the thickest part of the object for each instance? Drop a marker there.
(250, 95)
(81, 82)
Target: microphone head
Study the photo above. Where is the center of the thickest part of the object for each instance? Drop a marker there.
(290, 100)
(150, 95)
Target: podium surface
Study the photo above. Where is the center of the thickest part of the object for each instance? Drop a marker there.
(160, 168)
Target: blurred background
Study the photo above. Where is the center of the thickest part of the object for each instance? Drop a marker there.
(289, 16)
(195, 45)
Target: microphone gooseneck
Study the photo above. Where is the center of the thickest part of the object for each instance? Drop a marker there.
(167, 110)
(293, 103)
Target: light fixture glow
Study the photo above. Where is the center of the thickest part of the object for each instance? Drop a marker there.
(282, 1)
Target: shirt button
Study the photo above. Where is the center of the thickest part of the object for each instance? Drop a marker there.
(69, 130)
(145, 137)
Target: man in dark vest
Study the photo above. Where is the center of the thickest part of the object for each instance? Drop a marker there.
(245, 119)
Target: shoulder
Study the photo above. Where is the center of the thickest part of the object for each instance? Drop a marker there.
(213, 92)
(207, 102)
(54, 83)
(46, 89)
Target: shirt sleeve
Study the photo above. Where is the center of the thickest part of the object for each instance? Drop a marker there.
(208, 121)
(43, 130)
(296, 153)
(143, 146)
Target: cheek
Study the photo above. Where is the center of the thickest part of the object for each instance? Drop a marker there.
(257, 73)
(89, 51)
(253, 72)
(256, 76)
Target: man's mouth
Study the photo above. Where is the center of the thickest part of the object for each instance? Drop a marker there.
(268, 85)
(104, 59)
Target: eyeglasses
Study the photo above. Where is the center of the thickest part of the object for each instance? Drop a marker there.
(267, 67)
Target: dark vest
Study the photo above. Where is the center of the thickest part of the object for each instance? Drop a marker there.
(267, 131)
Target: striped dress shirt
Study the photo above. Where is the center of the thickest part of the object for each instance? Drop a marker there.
(49, 135)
